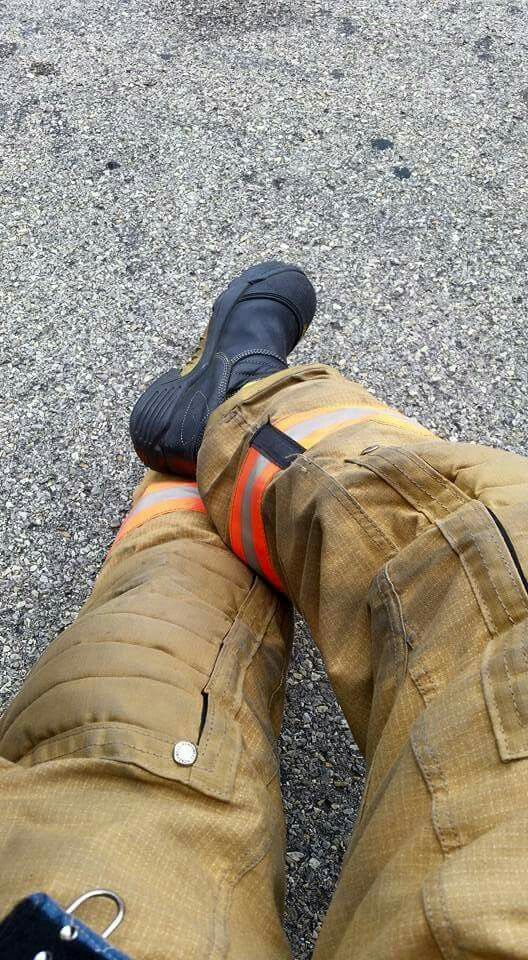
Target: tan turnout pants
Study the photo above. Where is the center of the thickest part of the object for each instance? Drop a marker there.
(140, 754)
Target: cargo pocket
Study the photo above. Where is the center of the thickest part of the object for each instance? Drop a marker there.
(498, 584)
(505, 683)
(476, 903)
(123, 685)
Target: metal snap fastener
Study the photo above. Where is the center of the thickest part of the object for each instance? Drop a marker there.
(375, 446)
(69, 932)
(43, 955)
(184, 753)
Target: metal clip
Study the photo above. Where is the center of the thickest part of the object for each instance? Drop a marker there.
(70, 932)
(67, 932)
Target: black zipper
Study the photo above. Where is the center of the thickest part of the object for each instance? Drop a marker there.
(510, 547)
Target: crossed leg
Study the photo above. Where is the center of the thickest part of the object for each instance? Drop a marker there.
(406, 555)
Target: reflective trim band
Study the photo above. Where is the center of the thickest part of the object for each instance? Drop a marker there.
(151, 497)
(269, 453)
(159, 499)
(313, 425)
(247, 536)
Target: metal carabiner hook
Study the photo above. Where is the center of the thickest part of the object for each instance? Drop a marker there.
(66, 932)
(70, 932)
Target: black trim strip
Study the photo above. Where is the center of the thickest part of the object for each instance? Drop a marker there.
(511, 548)
(276, 445)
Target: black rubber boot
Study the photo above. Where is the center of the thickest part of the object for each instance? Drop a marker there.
(255, 324)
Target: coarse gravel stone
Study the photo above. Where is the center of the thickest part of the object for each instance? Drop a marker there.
(151, 151)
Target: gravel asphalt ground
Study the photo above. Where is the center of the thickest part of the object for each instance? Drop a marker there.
(151, 151)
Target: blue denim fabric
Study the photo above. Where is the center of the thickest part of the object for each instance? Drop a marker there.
(34, 926)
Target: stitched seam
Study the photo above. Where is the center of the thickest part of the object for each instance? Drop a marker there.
(508, 560)
(436, 791)
(246, 609)
(166, 621)
(380, 474)
(364, 520)
(259, 638)
(188, 407)
(229, 680)
(256, 353)
(62, 683)
(447, 918)
(224, 377)
(416, 676)
(492, 581)
(430, 473)
(230, 885)
(415, 483)
(203, 421)
(409, 630)
(433, 474)
(510, 685)
(491, 689)
(285, 578)
(211, 727)
(430, 912)
(392, 605)
(133, 539)
(475, 586)
(128, 643)
(88, 728)
(105, 743)
(278, 686)
(397, 601)
(89, 614)
(233, 758)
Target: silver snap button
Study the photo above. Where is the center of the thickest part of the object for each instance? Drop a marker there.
(69, 932)
(43, 955)
(375, 446)
(184, 753)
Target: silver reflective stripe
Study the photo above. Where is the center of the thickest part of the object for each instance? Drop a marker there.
(180, 491)
(301, 430)
(246, 527)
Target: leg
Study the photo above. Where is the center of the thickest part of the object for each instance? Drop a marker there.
(383, 537)
(179, 644)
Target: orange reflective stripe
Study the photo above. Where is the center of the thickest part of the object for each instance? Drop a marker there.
(159, 499)
(257, 524)
(247, 536)
(236, 539)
